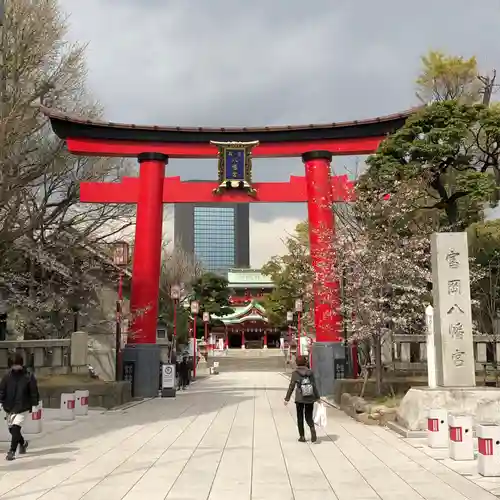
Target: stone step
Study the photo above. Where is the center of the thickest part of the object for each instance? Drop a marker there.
(233, 364)
(253, 353)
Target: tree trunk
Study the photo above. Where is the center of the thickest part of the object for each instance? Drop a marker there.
(452, 213)
(377, 351)
(489, 85)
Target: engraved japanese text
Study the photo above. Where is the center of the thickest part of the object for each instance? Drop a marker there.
(452, 257)
(458, 358)
(457, 331)
(454, 287)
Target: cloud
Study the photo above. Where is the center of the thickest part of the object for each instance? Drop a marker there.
(223, 63)
(267, 239)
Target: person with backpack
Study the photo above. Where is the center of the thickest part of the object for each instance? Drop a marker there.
(18, 395)
(306, 394)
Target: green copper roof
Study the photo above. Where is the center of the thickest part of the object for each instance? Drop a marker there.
(250, 277)
(241, 314)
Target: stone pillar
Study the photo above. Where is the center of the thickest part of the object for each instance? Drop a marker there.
(79, 352)
(430, 347)
(243, 339)
(455, 365)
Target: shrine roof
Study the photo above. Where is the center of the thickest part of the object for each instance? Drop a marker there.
(67, 125)
(251, 312)
(248, 278)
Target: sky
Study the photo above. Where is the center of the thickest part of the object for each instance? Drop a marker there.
(269, 62)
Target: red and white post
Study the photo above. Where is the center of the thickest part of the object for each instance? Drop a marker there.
(81, 403)
(437, 428)
(67, 408)
(488, 444)
(34, 423)
(461, 441)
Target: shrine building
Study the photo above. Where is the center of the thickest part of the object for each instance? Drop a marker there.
(247, 327)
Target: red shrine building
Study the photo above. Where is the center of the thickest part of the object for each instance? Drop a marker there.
(247, 327)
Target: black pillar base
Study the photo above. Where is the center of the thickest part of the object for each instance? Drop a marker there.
(328, 362)
(146, 371)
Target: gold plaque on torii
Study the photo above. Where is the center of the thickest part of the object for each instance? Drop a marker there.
(235, 166)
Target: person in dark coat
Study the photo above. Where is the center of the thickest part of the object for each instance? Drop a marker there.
(183, 373)
(18, 395)
(306, 394)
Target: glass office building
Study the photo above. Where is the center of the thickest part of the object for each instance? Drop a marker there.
(214, 238)
(217, 234)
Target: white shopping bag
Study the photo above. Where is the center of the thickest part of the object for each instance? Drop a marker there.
(319, 415)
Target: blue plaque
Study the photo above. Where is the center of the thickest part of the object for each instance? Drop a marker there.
(235, 166)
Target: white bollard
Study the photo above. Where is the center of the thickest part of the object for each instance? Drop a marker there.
(437, 428)
(81, 403)
(5, 435)
(461, 443)
(33, 422)
(67, 410)
(488, 443)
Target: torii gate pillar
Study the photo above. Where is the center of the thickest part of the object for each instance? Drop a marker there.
(141, 348)
(327, 320)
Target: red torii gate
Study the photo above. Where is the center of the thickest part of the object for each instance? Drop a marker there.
(153, 146)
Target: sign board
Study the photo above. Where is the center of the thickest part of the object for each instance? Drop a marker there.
(168, 376)
(216, 364)
(455, 364)
(120, 253)
(304, 345)
(189, 350)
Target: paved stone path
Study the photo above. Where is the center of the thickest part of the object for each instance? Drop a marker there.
(227, 437)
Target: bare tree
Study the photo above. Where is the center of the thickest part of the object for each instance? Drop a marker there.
(39, 179)
(178, 268)
(181, 269)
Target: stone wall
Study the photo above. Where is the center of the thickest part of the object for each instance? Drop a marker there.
(409, 352)
(101, 394)
(49, 357)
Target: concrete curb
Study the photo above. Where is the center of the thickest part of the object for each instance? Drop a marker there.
(399, 429)
(126, 406)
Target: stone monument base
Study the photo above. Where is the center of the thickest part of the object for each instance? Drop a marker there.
(327, 357)
(146, 372)
(482, 403)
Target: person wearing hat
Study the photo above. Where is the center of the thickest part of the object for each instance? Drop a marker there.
(18, 395)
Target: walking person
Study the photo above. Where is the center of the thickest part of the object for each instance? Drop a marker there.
(18, 395)
(306, 394)
(183, 373)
